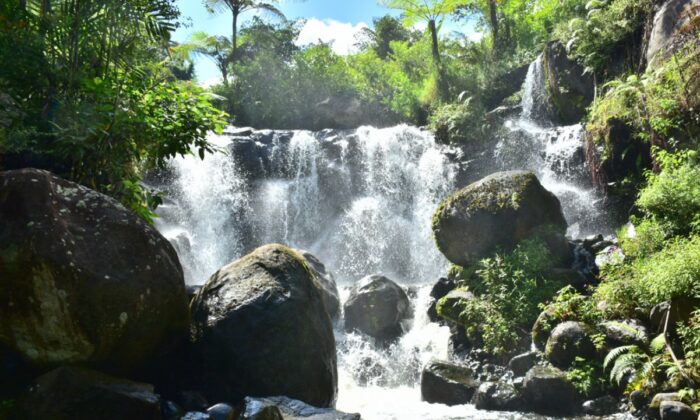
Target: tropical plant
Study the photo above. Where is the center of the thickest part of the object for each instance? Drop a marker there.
(432, 12)
(238, 7)
(384, 32)
(635, 365)
(215, 47)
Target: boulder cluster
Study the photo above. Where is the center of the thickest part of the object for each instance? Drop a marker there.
(95, 319)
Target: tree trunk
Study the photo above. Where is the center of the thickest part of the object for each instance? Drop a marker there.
(493, 17)
(433, 35)
(234, 37)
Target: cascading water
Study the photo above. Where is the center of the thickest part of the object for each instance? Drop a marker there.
(555, 153)
(362, 201)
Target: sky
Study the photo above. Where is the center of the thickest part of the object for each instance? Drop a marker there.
(336, 21)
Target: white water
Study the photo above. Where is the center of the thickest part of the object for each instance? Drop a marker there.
(362, 201)
(555, 153)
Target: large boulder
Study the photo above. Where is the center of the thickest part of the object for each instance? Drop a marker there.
(569, 88)
(447, 383)
(260, 328)
(82, 279)
(547, 390)
(69, 393)
(495, 212)
(568, 341)
(667, 33)
(376, 307)
(676, 410)
(329, 290)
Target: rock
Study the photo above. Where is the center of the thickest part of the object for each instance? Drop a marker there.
(521, 363)
(84, 280)
(260, 327)
(625, 332)
(667, 34)
(196, 415)
(291, 409)
(506, 85)
(376, 306)
(191, 401)
(77, 393)
(638, 399)
(681, 311)
(568, 341)
(655, 403)
(497, 396)
(494, 213)
(329, 290)
(447, 383)
(260, 409)
(569, 90)
(675, 410)
(439, 290)
(602, 406)
(502, 113)
(221, 411)
(547, 390)
(611, 255)
(542, 328)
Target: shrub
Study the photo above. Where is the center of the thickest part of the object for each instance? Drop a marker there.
(459, 122)
(672, 197)
(509, 290)
(587, 377)
(647, 238)
(670, 273)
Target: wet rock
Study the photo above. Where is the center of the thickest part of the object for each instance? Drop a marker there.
(191, 401)
(639, 400)
(196, 415)
(602, 406)
(676, 410)
(655, 403)
(259, 409)
(547, 390)
(667, 34)
(569, 90)
(329, 289)
(568, 341)
(260, 328)
(497, 396)
(376, 307)
(76, 393)
(495, 213)
(521, 363)
(291, 409)
(84, 280)
(447, 383)
(221, 411)
(625, 332)
(439, 290)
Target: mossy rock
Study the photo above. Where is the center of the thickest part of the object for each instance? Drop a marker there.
(260, 327)
(495, 213)
(82, 279)
(569, 90)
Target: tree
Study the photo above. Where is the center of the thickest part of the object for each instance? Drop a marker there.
(216, 47)
(387, 29)
(431, 11)
(237, 7)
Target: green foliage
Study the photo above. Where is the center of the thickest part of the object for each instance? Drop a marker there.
(595, 37)
(587, 377)
(635, 366)
(647, 238)
(96, 102)
(670, 273)
(690, 339)
(509, 289)
(387, 30)
(461, 122)
(672, 197)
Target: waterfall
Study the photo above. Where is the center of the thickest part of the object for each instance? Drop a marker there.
(532, 141)
(362, 201)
